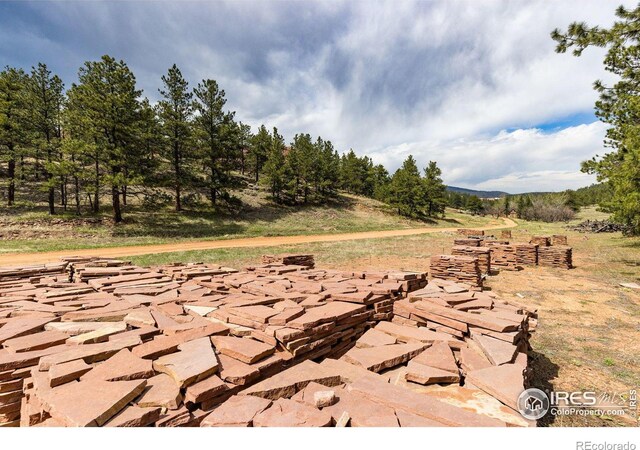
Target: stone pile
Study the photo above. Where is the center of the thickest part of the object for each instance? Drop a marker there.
(290, 259)
(411, 371)
(559, 239)
(464, 269)
(505, 234)
(8, 274)
(503, 256)
(541, 241)
(555, 256)
(469, 242)
(165, 345)
(469, 232)
(526, 254)
(483, 254)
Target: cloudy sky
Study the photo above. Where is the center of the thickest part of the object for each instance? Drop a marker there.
(475, 86)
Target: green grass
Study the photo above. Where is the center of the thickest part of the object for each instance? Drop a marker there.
(35, 231)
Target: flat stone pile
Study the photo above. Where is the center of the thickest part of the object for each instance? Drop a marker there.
(483, 254)
(411, 371)
(469, 232)
(559, 239)
(290, 259)
(503, 256)
(526, 254)
(463, 269)
(541, 241)
(269, 345)
(557, 256)
(468, 242)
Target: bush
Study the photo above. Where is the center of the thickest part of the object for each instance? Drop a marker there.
(547, 211)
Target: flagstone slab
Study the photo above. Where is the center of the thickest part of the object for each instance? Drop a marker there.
(237, 411)
(419, 373)
(195, 361)
(69, 403)
(505, 382)
(237, 372)
(288, 413)
(135, 416)
(290, 381)
(242, 349)
(36, 341)
(161, 391)
(375, 338)
(412, 334)
(497, 351)
(122, 366)
(66, 372)
(205, 389)
(377, 359)
(439, 356)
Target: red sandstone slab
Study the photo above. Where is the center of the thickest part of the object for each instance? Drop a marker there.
(419, 373)
(23, 325)
(89, 353)
(331, 312)
(407, 419)
(290, 381)
(135, 416)
(497, 351)
(66, 372)
(421, 405)
(377, 359)
(122, 366)
(37, 341)
(238, 411)
(205, 389)
(288, 413)
(471, 360)
(162, 345)
(242, 349)
(439, 356)
(375, 338)
(161, 391)
(195, 361)
(237, 372)
(70, 405)
(483, 321)
(412, 334)
(505, 382)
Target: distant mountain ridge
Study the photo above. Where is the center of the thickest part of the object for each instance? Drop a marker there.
(481, 194)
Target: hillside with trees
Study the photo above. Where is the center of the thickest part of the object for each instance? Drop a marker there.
(101, 143)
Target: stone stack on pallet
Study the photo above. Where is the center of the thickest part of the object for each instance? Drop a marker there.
(483, 254)
(503, 256)
(162, 346)
(555, 256)
(541, 241)
(526, 254)
(505, 234)
(469, 232)
(290, 259)
(463, 269)
(469, 242)
(559, 239)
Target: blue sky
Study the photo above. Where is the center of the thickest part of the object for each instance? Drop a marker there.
(475, 86)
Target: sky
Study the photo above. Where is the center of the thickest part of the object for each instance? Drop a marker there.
(475, 86)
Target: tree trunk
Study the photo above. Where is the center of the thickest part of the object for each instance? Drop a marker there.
(76, 181)
(22, 167)
(257, 169)
(124, 195)
(176, 167)
(52, 207)
(96, 194)
(12, 183)
(115, 196)
(213, 177)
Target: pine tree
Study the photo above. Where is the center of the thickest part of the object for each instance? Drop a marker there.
(260, 146)
(209, 102)
(275, 168)
(45, 97)
(406, 191)
(175, 111)
(618, 106)
(13, 123)
(106, 101)
(435, 190)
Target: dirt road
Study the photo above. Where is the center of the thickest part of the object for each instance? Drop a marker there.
(14, 259)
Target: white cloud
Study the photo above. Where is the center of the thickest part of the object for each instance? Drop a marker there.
(438, 79)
